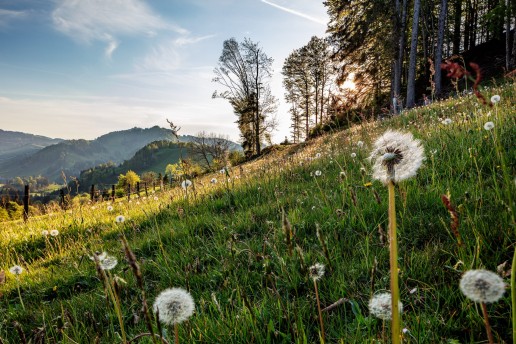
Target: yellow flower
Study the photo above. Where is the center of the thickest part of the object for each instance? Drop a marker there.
(368, 184)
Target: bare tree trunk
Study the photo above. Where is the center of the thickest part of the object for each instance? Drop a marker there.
(411, 82)
(457, 13)
(514, 48)
(508, 35)
(439, 48)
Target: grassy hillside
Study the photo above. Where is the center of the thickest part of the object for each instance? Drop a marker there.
(227, 243)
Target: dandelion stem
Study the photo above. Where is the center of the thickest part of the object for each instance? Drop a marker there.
(19, 293)
(486, 322)
(513, 296)
(319, 309)
(176, 333)
(396, 324)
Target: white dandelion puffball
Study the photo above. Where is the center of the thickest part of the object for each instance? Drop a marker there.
(396, 156)
(120, 218)
(16, 270)
(381, 306)
(318, 155)
(495, 99)
(44, 232)
(213, 180)
(360, 144)
(318, 173)
(54, 232)
(110, 208)
(100, 255)
(447, 121)
(482, 286)
(353, 155)
(316, 271)
(186, 183)
(174, 306)
(489, 125)
(108, 263)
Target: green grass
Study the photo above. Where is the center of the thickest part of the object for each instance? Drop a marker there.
(226, 244)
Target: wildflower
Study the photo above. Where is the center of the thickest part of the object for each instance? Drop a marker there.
(316, 271)
(108, 263)
(16, 270)
(396, 156)
(318, 155)
(120, 218)
(353, 155)
(110, 208)
(54, 232)
(318, 173)
(482, 286)
(156, 198)
(213, 180)
(495, 99)
(447, 121)
(44, 232)
(489, 125)
(186, 183)
(368, 184)
(174, 306)
(360, 144)
(381, 306)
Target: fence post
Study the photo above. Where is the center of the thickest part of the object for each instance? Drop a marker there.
(92, 193)
(113, 192)
(26, 204)
(61, 194)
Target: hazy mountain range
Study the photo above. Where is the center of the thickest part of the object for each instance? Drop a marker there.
(25, 155)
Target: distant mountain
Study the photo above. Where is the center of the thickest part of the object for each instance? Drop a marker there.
(15, 144)
(127, 147)
(154, 157)
(72, 156)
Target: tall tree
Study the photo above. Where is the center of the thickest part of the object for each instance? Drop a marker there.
(439, 47)
(244, 71)
(411, 82)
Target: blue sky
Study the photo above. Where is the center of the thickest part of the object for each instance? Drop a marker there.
(83, 68)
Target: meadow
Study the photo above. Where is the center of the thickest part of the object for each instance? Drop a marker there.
(242, 242)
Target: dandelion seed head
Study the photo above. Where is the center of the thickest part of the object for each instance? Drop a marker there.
(186, 183)
(447, 121)
(120, 219)
(482, 286)
(318, 173)
(213, 180)
(174, 306)
(108, 263)
(360, 144)
(100, 255)
(54, 232)
(353, 155)
(316, 271)
(396, 156)
(380, 306)
(489, 125)
(44, 232)
(110, 208)
(16, 270)
(495, 99)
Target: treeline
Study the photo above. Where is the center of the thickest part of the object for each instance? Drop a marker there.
(378, 57)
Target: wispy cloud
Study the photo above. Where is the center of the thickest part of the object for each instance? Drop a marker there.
(294, 12)
(101, 20)
(6, 16)
(169, 55)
